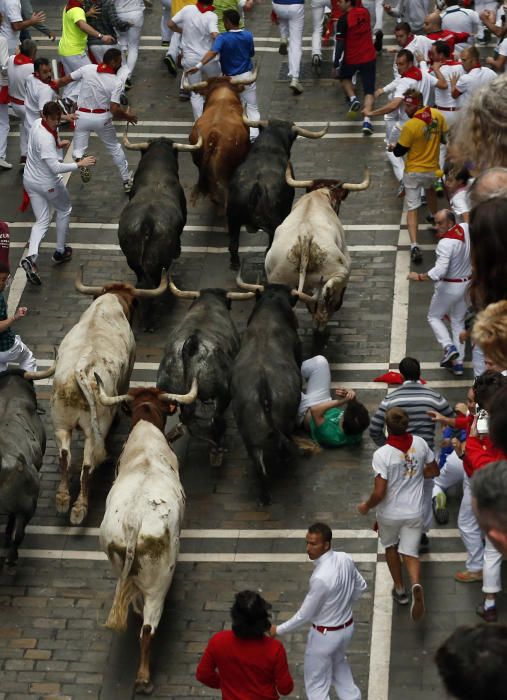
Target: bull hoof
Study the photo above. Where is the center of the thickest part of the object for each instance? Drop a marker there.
(62, 501)
(78, 513)
(144, 687)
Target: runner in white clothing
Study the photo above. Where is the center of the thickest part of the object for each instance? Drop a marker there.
(451, 274)
(4, 102)
(334, 585)
(42, 180)
(131, 11)
(198, 26)
(13, 22)
(460, 19)
(475, 76)
(400, 467)
(40, 88)
(445, 68)
(99, 104)
(19, 67)
(416, 43)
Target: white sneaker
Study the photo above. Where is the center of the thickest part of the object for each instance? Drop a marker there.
(296, 86)
(4, 164)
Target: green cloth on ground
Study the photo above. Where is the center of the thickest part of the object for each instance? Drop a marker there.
(330, 433)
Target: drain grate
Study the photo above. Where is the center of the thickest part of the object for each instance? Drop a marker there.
(307, 71)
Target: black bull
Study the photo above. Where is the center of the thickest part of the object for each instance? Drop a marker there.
(259, 196)
(203, 347)
(22, 447)
(266, 380)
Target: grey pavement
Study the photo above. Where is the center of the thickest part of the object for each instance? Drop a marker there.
(53, 643)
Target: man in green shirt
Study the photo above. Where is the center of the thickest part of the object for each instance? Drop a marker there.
(331, 422)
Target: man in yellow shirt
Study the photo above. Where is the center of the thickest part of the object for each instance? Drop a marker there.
(72, 45)
(419, 140)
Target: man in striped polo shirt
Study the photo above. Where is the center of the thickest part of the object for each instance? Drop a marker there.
(416, 399)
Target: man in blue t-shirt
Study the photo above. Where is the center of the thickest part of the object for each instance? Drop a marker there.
(235, 48)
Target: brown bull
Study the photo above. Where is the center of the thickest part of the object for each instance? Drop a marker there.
(225, 135)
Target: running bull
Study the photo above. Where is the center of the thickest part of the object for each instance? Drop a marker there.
(309, 249)
(22, 447)
(140, 531)
(203, 347)
(266, 379)
(101, 341)
(259, 196)
(226, 138)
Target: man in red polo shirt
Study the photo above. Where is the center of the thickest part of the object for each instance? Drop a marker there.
(354, 45)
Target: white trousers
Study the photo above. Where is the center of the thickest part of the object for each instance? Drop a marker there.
(19, 111)
(129, 40)
(210, 70)
(291, 19)
(478, 362)
(393, 129)
(491, 569)
(98, 50)
(20, 355)
(469, 530)
(72, 63)
(43, 203)
(448, 300)
(376, 10)
(249, 101)
(326, 665)
(4, 129)
(318, 11)
(165, 32)
(174, 46)
(102, 125)
(451, 473)
(317, 374)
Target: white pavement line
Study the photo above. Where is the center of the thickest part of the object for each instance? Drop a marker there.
(189, 124)
(19, 281)
(197, 228)
(380, 649)
(398, 344)
(180, 137)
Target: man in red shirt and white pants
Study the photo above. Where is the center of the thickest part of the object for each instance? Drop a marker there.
(354, 43)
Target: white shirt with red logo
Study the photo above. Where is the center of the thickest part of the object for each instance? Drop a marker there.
(97, 90)
(17, 75)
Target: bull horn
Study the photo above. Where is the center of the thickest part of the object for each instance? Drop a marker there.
(240, 296)
(188, 87)
(255, 123)
(43, 373)
(182, 398)
(295, 183)
(106, 400)
(135, 146)
(150, 293)
(246, 81)
(83, 288)
(310, 134)
(351, 187)
(189, 146)
(305, 297)
(249, 287)
(182, 295)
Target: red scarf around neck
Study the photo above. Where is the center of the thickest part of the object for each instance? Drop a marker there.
(21, 60)
(204, 8)
(73, 3)
(53, 133)
(52, 83)
(401, 442)
(456, 233)
(411, 37)
(104, 68)
(412, 72)
(424, 115)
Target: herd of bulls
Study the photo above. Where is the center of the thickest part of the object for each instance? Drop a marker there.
(205, 365)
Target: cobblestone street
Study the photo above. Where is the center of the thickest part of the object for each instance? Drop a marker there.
(53, 642)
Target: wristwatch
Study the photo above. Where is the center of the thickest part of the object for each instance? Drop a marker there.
(100, 36)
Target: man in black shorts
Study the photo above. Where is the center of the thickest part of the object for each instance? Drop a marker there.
(354, 45)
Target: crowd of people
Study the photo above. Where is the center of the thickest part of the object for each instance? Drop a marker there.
(446, 138)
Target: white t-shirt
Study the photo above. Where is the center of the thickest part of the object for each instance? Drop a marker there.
(460, 19)
(502, 48)
(197, 28)
(4, 57)
(453, 258)
(43, 159)
(444, 98)
(126, 6)
(11, 11)
(473, 80)
(17, 75)
(419, 44)
(460, 203)
(97, 90)
(37, 94)
(404, 474)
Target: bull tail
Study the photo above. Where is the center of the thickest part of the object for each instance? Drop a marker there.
(126, 589)
(205, 168)
(306, 243)
(84, 384)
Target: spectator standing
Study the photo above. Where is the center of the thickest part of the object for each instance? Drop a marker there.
(12, 348)
(334, 585)
(419, 140)
(244, 662)
(19, 67)
(291, 20)
(4, 100)
(400, 467)
(27, 13)
(451, 274)
(355, 53)
(13, 22)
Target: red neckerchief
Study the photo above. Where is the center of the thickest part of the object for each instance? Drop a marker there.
(71, 4)
(411, 37)
(52, 83)
(53, 133)
(451, 62)
(424, 114)
(412, 72)
(104, 68)
(456, 233)
(21, 60)
(401, 442)
(204, 8)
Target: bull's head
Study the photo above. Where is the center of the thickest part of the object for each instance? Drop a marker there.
(295, 128)
(144, 145)
(337, 189)
(195, 294)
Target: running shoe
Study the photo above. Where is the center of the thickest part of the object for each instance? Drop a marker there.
(32, 274)
(296, 86)
(487, 614)
(400, 598)
(282, 49)
(417, 608)
(416, 255)
(450, 354)
(354, 108)
(440, 511)
(170, 64)
(59, 257)
(458, 369)
(367, 128)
